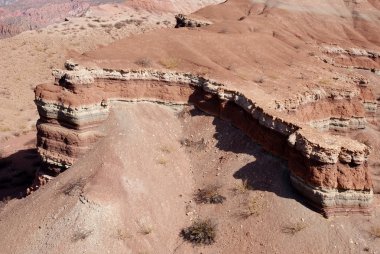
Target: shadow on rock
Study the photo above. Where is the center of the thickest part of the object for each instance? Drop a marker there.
(266, 173)
(17, 172)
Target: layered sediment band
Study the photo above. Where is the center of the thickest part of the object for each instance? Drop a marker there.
(73, 110)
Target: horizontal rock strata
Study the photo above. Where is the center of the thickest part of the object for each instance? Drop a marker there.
(330, 171)
(353, 57)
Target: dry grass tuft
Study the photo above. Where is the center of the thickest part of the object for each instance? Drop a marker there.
(165, 149)
(242, 188)
(122, 235)
(252, 208)
(162, 161)
(170, 63)
(200, 232)
(209, 195)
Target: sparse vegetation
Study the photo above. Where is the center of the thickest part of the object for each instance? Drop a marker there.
(74, 188)
(122, 235)
(242, 187)
(200, 232)
(199, 145)
(145, 229)
(209, 195)
(4, 129)
(162, 161)
(165, 149)
(293, 228)
(252, 208)
(81, 235)
(144, 62)
(324, 82)
(170, 63)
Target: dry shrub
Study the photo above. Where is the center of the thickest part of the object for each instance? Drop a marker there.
(251, 208)
(144, 62)
(170, 63)
(74, 188)
(294, 228)
(209, 195)
(199, 145)
(200, 232)
(81, 235)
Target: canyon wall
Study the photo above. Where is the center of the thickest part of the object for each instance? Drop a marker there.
(330, 171)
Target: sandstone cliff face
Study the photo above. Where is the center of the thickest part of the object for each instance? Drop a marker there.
(330, 171)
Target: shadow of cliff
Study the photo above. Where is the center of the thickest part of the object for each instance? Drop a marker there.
(267, 173)
(17, 172)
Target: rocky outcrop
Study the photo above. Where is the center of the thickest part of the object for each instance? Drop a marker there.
(330, 171)
(185, 21)
(352, 57)
(339, 123)
(315, 95)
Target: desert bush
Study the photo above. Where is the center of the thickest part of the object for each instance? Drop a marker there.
(81, 235)
(293, 228)
(199, 145)
(200, 232)
(209, 195)
(251, 208)
(144, 62)
(71, 189)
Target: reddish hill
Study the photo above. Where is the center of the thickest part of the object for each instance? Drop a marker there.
(22, 15)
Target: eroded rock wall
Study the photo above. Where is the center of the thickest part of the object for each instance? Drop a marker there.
(330, 171)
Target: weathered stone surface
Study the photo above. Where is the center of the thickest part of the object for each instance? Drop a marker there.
(185, 21)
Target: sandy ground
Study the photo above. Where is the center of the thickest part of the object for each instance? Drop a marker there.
(134, 193)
